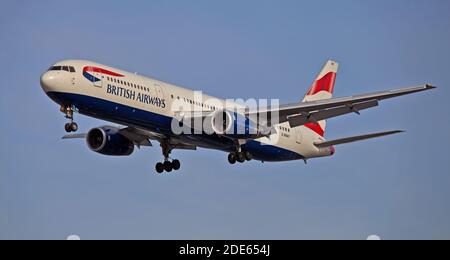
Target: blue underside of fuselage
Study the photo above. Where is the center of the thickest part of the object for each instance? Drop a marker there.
(126, 115)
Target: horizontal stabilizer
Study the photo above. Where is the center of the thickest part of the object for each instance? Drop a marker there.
(354, 139)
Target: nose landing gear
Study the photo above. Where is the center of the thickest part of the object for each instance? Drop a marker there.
(71, 126)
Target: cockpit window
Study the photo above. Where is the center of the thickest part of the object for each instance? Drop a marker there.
(70, 69)
(55, 68)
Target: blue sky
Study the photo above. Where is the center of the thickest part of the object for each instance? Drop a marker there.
(396, 187)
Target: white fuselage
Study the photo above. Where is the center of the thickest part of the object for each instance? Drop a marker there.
(128, 99)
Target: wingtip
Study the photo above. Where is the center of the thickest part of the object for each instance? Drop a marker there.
(429, 86)
(395, 132)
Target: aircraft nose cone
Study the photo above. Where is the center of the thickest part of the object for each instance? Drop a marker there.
(48, 81)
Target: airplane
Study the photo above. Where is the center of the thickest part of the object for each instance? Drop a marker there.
(148, 110)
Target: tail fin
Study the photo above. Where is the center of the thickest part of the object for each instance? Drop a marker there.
(322, 88)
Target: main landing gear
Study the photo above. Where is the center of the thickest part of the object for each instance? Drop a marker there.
(239, 156)
(71, 126)
(167, 165)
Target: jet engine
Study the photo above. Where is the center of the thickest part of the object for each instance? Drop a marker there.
(109, 141)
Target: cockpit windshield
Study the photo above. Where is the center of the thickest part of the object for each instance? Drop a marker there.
(70, 69)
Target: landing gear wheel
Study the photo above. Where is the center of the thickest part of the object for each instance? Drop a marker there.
(248, 156)
(168, 166)
(71, 127)
(159, 168)
(68, 128)
(232, 158)
(176, 165)
(240, 157)
(74, 127)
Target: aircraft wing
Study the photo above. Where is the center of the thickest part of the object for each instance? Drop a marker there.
(138, 137)
(75, 136)
(141, 137)
(305, 112)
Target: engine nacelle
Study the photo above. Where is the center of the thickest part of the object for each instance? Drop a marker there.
(109, 141)
(233, 125)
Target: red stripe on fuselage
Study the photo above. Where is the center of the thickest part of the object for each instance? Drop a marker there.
(103, 71)
(326, 83)
(316, 128)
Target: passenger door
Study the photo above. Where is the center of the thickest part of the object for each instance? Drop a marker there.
(298, 135)
(158, 91)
